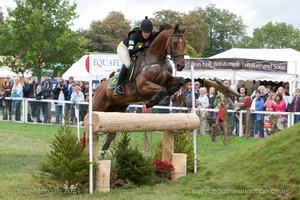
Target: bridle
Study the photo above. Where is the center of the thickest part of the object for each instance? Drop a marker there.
(175, 57)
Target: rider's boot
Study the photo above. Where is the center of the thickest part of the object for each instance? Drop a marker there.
(119, 89)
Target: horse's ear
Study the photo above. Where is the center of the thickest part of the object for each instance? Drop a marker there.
(176, 28)
(184, 29)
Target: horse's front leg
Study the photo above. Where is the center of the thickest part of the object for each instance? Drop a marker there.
(151, 89)
(157, 98)
(174, 84)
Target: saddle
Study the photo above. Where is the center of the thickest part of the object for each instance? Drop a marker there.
(131, 74)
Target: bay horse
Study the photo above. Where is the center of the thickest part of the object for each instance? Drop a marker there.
(152, 74)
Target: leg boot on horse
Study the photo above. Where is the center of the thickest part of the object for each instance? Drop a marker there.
(119, 89)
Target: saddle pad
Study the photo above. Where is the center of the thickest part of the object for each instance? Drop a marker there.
(113, 82)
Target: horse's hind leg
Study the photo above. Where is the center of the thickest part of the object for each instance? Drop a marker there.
(109, 138)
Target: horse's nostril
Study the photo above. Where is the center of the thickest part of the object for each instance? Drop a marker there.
(179, 67)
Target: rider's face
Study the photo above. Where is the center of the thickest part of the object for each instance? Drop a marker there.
(146, 34)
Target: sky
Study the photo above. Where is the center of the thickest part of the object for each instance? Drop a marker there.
(255, 13)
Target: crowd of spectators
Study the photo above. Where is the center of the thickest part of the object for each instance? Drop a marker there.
(69, 93)
(263, 99)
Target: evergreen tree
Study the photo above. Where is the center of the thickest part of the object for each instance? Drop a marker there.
(66, 166)
(132, 165)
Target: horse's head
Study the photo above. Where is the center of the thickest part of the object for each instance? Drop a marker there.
(176, 47)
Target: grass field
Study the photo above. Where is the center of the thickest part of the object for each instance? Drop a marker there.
(250, 169)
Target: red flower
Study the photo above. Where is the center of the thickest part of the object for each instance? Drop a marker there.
(163, 168)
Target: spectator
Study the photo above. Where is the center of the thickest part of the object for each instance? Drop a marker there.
(239, 104)
(178, 101)
(15, 102)
(263, 93)
(76, 96)
(202, 103)
(211, 115)
(59, 93)
(7, 86)
(69, 87)
(83, 108)
(282, 91)
(33, 104)
(197, 89)
(47, 89)
(18, 86)
(188, 96)
(26, 93)
(279, 105)
(221, 99)
(39, 95)
(295, 105)
(257, 125)
(268, 104)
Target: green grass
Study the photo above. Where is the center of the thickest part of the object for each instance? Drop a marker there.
(250, 169)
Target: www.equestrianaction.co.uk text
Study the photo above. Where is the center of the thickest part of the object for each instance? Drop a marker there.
(241, 191)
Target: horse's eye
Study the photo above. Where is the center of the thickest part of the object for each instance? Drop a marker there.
(175, 43)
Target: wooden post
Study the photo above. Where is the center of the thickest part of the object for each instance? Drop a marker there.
(103, 176)
(167, 146)
(95, 147)
(179, 162)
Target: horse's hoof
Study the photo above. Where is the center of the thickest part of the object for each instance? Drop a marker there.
(102, 154)
(150, 104)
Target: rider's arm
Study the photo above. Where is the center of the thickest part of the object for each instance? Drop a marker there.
(132, 48)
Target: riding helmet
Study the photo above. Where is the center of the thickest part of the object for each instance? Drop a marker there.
(146, 25)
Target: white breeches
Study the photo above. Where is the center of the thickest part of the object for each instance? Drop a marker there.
(123, 54)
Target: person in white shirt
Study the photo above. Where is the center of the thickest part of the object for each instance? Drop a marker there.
(76, 96)
(202, 103)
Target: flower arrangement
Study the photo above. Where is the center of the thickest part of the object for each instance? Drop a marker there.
(163, 169)
(113, 178)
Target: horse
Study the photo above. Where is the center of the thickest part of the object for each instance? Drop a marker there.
(152, 76)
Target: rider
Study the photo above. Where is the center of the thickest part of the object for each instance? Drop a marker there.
(137, 40)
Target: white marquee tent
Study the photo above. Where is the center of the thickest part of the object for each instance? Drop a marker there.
(291, 56)
(103, 65)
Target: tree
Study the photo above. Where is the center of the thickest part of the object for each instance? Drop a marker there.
(196, 35)
(106, 35)
(1, 16)
(225, 29)
(38, 34)
(66, 165)
(278, 35)
(197, 30)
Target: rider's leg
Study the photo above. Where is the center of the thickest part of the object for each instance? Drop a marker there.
(119, 89)
(124, 56)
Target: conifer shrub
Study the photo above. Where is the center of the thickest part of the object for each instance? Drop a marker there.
(131, 165)
(182, 144)
(66, 165)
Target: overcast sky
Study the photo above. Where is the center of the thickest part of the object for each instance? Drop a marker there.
(255, 13)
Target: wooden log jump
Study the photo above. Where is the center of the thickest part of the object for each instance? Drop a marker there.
(129, 122)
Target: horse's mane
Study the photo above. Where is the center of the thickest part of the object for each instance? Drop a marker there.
(162, 27)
